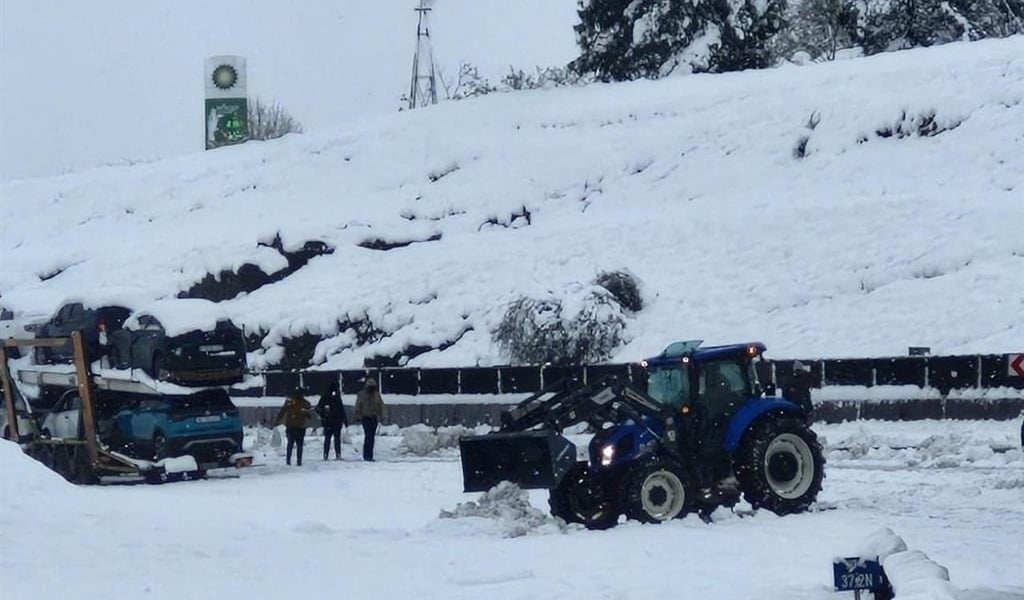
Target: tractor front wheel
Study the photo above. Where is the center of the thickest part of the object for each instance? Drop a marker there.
(780, 466)
(658, 491)
(581, 498)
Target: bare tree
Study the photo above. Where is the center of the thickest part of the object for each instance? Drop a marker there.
(821, 28)
(467, 84)
(269, 120)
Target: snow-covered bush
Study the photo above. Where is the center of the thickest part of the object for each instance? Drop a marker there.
(624, 287)
(585, 325)
(269, 120)
(469, 83)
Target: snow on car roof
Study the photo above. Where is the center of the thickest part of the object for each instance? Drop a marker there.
(99, 297)
(180, 315)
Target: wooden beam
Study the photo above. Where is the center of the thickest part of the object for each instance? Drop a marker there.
(85, 393)
(47, 342)
(12, 415)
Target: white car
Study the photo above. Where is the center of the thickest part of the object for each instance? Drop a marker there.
(65, 418)
(21, 327)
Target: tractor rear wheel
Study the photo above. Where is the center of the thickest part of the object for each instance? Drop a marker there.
(780, 465)
(658, 491)
(580, 498)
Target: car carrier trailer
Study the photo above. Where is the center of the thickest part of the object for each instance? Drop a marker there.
(81, 459)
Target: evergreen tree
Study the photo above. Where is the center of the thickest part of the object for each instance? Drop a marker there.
(899, 24)
(622, 39)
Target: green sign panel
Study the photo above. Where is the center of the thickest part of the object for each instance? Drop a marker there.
(226, 121)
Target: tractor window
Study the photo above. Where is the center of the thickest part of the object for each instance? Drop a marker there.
(723, 386)
(669, 385)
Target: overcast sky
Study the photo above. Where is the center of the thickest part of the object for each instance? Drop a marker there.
(114, 81)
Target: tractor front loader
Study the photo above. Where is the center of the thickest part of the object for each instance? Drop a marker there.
(702, 433)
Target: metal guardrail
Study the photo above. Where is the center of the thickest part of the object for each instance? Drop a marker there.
(943, 373)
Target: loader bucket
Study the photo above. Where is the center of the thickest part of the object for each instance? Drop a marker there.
(530, 459)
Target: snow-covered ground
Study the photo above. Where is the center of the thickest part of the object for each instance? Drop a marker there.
(900, 226)
(373, 530)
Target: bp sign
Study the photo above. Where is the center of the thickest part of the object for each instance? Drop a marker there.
(226, 103)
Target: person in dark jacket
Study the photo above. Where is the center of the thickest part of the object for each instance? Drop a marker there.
(369, 410)
(294, 415)
(332, 416)
(797, 389)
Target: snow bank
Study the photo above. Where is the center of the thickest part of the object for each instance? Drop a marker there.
(914, 576)
(911, 573)
(881, 544)
(27, 483)
(508, 509)
(928, 444)
(907, 392)
(422, 440)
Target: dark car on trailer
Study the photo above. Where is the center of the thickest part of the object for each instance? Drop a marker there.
(213, 353)
(97, 324)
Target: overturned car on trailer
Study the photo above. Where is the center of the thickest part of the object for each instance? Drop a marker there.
(185, 341)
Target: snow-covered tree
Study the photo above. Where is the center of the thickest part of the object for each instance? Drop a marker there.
(897, 24)
(629, 39)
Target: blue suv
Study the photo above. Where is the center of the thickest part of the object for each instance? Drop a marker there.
(205, 425)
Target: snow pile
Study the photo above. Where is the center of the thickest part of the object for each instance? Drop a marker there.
(932, 445)
(912, 574)
(881, 543)
(509, 507)
(27, 484)
(423, 440)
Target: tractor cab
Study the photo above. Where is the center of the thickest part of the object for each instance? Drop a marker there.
(715, 381)
(706, 387)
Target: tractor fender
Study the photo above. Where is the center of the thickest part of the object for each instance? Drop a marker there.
(749, 413)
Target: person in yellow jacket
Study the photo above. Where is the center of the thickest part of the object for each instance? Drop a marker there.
(294, 415)
(369, 410)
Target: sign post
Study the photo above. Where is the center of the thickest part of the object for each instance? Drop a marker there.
(856, 574)
(1015, 365)
(227, 104)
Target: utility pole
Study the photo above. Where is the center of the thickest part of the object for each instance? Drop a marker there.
(423, 90)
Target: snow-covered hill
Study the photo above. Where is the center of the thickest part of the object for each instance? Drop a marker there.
(851, 208)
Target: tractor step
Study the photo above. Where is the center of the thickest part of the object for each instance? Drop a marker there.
(530, 459)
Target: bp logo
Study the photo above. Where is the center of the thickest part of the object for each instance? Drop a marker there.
(225, 77)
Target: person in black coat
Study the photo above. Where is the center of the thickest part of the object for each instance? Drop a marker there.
(332, 416)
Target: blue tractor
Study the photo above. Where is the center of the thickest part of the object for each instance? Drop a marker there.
(704, 432)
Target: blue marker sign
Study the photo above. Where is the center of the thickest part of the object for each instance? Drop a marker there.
(855, 574)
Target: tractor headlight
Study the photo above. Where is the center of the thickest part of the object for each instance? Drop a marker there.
(607, 455)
